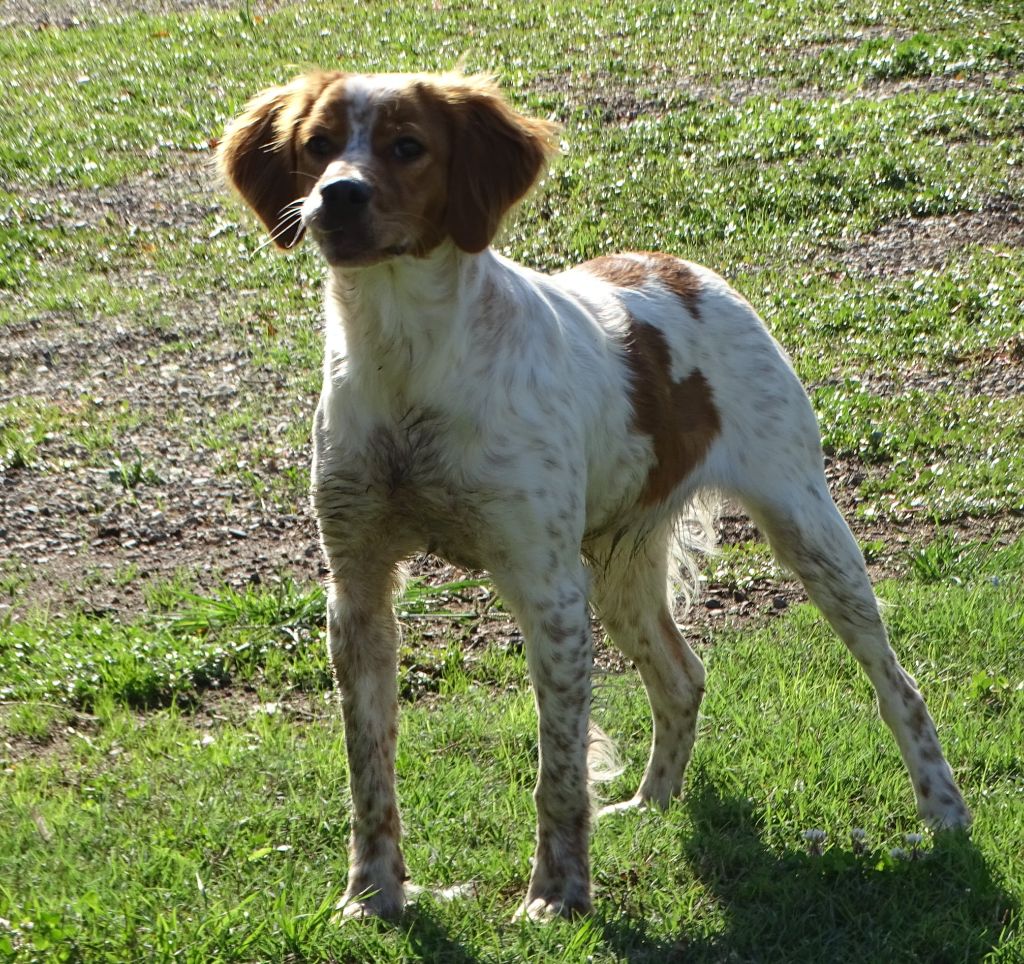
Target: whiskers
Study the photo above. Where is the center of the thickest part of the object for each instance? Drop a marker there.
(289, 220)
(391, 233)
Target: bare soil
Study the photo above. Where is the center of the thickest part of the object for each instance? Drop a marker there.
(601, 94)
(910, 245)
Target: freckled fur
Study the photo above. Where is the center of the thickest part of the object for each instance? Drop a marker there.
(558, 431)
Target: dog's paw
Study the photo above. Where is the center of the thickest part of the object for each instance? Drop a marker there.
(385, 905)
(540, 910)
(949, 813)
(548, 898)
(940, 804)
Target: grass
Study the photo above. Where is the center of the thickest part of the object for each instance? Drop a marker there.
(172, 781)
(220, 835)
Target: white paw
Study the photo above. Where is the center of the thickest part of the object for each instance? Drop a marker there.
(366, 904)
(540, 910)
(952, 815)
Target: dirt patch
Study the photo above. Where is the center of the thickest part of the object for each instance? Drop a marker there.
(606, 96)
(182, 195)
(996, 373)
(56, 731)
(813, 49)
(96, 528)
(886, 89)
(97, 525)
(602, 95)
(909, 245)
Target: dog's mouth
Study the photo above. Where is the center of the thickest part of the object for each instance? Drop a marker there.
(343, 247)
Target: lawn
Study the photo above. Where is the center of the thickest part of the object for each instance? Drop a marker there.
(172, 775)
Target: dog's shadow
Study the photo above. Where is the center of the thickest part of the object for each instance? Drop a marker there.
(430, 939)
(943, 905)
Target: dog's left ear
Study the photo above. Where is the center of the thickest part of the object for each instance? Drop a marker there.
(257, 154)
(497, 155)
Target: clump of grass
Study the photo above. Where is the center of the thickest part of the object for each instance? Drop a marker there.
(130, 475)
(272, 636)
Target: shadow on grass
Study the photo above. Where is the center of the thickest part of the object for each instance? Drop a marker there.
(947, 905)
(430, 938)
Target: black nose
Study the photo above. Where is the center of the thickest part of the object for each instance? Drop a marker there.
(347, 195)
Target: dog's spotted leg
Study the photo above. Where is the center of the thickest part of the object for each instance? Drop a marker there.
(631, 598)
(555, 622)
(363, 645)
(810, 537)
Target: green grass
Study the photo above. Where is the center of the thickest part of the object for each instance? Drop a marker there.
(172, 784)
(221, 836)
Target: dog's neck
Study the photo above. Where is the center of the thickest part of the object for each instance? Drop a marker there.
(405, 321)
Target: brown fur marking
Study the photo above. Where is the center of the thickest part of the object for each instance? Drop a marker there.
(625, 271)
(676, 275)
(497, 155)
(680, 417)
(257, 154)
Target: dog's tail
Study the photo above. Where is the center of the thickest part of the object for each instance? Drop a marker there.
(694, 537)
(603, 763)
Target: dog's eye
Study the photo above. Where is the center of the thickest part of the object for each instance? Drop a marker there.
(320, 146)
(407, 149)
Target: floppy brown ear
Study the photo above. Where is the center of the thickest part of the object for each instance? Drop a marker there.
(497, 154)
(258, 154)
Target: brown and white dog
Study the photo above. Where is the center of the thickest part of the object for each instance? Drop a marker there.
(551, 430)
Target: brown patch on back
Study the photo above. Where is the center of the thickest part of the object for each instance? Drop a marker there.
(676, 275)
(680, 417)
(617, 270)
(635, 271)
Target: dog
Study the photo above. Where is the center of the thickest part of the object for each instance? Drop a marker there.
(552, 430)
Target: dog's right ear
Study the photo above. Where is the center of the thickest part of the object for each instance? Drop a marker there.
(257, 155)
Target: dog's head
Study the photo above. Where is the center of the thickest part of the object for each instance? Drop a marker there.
(380, 165)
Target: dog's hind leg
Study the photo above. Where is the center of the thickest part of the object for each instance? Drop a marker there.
(630, 595)
(792, 506)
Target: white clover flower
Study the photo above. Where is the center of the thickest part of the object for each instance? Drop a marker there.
(815, 841)
(914, 840)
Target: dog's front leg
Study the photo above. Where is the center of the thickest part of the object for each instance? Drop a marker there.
(363, 643)
(552, 612)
